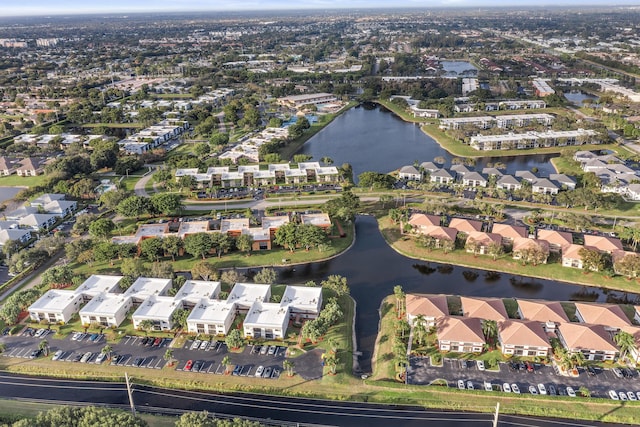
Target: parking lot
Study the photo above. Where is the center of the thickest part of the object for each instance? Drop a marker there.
(201, 357)
(599, 381)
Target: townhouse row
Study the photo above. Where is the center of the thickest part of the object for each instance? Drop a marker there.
(249, 148)
(500, 122)
(471, 179)
(529, 336)
(254, 176)
(100, 301)
(529, 140)
(261, 235)
(614, 174)
(154, 136)
(29, 166)
(42, 214)
(479, 240)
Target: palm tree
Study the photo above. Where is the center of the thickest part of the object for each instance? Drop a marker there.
(226, 361)
(44, 347)
(400, 299)
(288, 365)
(490, 330)
(107, 350)
(146, 326)
(420, 328)
(168, 356)
(626, 342)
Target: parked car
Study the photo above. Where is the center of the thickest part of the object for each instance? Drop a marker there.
(195, 345)
(100, 358)
(259, 371)
(632, 396)
(35, 353)
(623, 396)
(542, 389)
(552, 390)
(156, 342)
(613, 395)
(590, 371)
(571, 392)
(487, 386)
(93, 337)
(529, 366)
(264, 349)
(238, 369)
(137, 361)
(272, 350)
(515, 388)
(480, 365)
(197, 365)
(267, 372)
(617, 372)
(470, 385)
(189, 365)
(204, 345)
(506, 388)
(57, 355)
(86, 357)
(75, 336)
(533, 389)
(115, 360)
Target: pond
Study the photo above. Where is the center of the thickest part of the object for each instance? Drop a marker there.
(372, 269)
(459, 69)
(578, 97)
(372, 138)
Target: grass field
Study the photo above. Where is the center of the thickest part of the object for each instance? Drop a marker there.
(22, 181)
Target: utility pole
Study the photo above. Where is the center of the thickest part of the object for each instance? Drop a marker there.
(495, 417)
(130, 393)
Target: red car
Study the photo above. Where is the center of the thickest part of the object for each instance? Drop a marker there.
(188, 366)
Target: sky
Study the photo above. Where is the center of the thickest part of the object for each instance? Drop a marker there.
(51, 7)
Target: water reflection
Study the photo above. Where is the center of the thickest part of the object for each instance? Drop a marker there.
(371, 138)
(373, 269)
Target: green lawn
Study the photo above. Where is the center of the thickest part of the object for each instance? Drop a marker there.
(405, 245)
(20, 181)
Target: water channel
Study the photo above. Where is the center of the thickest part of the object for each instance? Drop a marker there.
(373, 269)
(371, 138)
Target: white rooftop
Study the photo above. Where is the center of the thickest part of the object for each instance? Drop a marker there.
(267, 314)
(157, 308)
(54, 300)
(98, 283)
(302, 298)
(144, 287)
(211, 311)
(194, 290)
(105, 304)
(247, 293)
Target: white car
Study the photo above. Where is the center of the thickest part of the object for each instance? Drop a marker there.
(480, 365)
(100, 358)
(260, 371)
(533, 390)
(515, 388)
(571, 392)
(632, 396)
(85, 358)
(195, 345)
(542, 389)
(506, 388)
(487, 386)
(623, 396)
(75, 336)
(638, 394)
(460, 384)
(613, 395)
(57, 355)
(470, 385)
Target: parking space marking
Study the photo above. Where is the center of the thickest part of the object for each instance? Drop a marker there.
(159, 364)
(125, 361)
(218, 370)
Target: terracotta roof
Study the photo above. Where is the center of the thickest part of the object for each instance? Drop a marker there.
(460, 329)
(521, 243)
(542, 311)
(602, 314)
(517, 332)
(434, 306)
(465, 225)
(619, 255)
(441, 233)
(579, 336)
(560, 238)
(572, 252)
(603, 243)
(422, 220)
(484, 239)
(484, 308)
(510, 231)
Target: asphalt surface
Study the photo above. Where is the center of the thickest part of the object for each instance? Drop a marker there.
(453, 370)
(281, 410)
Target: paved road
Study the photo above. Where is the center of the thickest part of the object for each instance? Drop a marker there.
(292, 411)
(139, 187)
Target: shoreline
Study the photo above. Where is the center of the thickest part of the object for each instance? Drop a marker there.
(505, 271)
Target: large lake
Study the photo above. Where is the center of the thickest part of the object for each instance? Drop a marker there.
(372, 269)
(371, 138)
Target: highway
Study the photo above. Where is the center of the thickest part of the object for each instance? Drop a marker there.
(289, 410)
